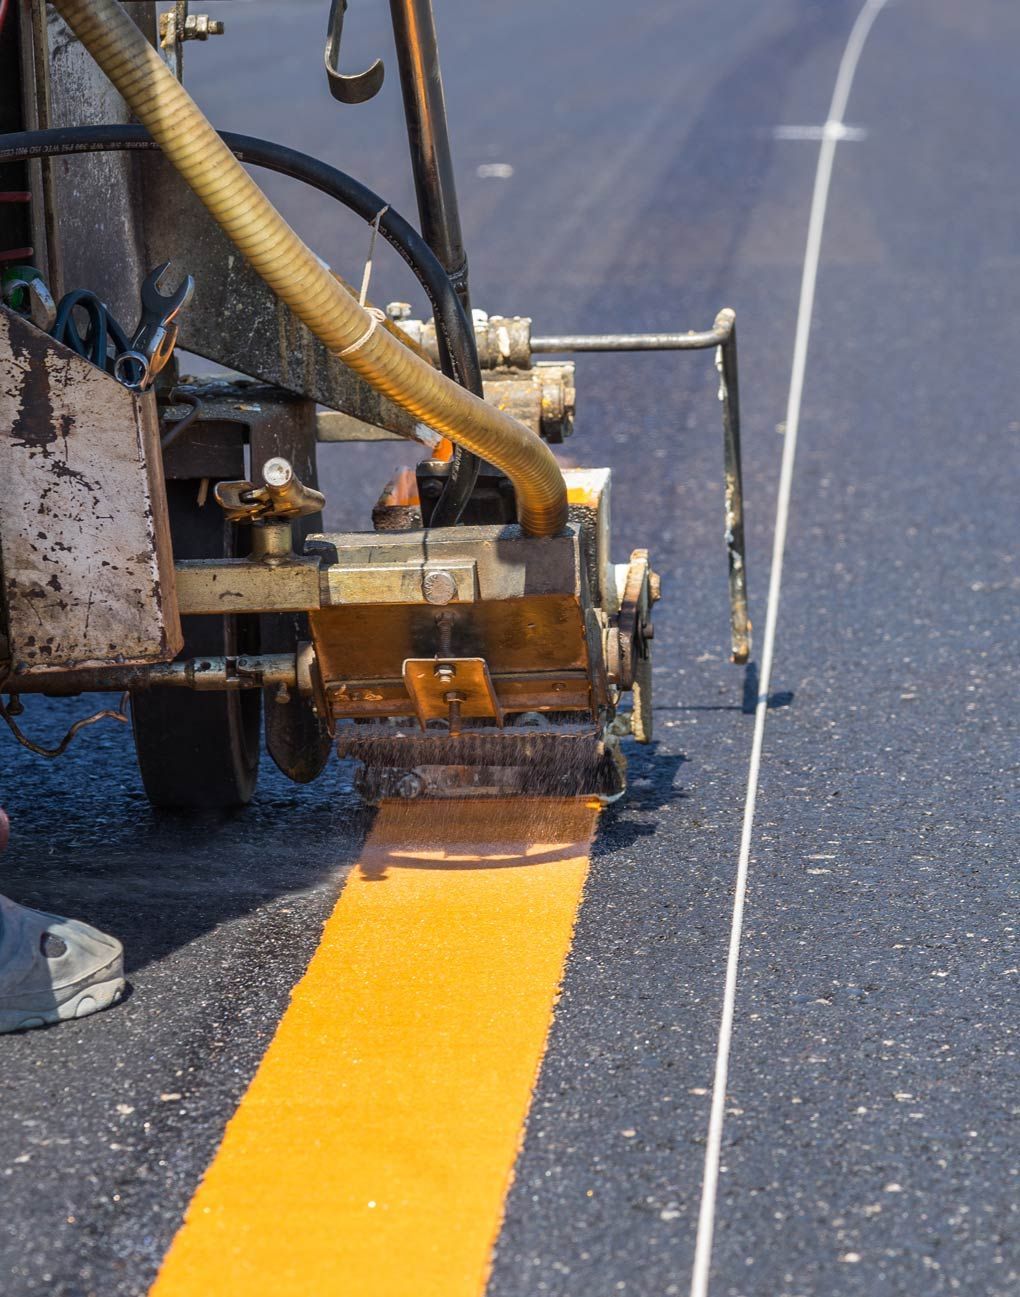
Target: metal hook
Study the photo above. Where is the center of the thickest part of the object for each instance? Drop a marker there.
(361, 86)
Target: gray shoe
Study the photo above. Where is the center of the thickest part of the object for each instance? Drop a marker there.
(53, 969)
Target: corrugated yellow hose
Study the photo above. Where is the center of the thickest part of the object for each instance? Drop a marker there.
(296, 276)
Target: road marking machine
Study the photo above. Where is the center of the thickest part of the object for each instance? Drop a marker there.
(161, 536)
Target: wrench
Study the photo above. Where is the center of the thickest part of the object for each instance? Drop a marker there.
(154, 339)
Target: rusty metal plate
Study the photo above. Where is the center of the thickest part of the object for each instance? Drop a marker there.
(84, 535)
(514, 636)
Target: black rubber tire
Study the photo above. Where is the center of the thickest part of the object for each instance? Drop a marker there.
(200, 751)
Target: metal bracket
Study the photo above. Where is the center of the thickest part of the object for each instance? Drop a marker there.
(283, 495)
(177, 26)
(451, 688)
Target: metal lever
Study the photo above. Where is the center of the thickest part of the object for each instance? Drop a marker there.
(358, 87)
(282, 496)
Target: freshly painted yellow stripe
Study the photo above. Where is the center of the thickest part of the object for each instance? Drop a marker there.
(373, 1150)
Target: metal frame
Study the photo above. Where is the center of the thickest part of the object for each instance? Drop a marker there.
(723, 337)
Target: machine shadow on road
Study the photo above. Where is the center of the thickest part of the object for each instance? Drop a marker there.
(160, 880)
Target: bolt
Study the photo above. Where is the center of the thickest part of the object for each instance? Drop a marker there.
(444, 634)
(199, 27)
(445, 671)
(454, 699)
(282, 696)
(439, 587)
(277, 471)
(410, 785)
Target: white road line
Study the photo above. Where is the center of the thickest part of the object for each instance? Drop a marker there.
(834, 131)
(813, 133)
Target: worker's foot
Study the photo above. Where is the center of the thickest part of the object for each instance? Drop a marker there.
(53, 969)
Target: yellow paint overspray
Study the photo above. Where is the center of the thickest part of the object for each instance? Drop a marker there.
(372, 1153)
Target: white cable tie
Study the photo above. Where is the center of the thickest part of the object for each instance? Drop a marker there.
(363, 295)
(377, 319)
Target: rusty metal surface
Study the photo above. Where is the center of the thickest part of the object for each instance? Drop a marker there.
(398, 507)
(503, 341)
(227, 674)
(358, 571)
(533, 622)
(543, 397)
(514, 636)
(589, 502)
(93, 204)
(270, 419)
(236, 320)
(88, 571)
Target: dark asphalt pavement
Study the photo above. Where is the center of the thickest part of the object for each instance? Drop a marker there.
(868, 1146)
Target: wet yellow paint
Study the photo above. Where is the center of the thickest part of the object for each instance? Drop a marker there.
(373, 1150)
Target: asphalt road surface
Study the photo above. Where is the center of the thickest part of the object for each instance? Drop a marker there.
(663, 156)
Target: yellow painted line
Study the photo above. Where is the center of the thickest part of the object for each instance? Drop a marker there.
(372, 1153)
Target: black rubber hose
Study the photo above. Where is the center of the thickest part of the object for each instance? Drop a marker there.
(458, 356)
(93, 344)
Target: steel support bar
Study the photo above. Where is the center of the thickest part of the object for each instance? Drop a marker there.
(221, 673)
(555, 344)
(213, 587)
(414, 30)
(421, 83)
(723, 336)
(729, 395)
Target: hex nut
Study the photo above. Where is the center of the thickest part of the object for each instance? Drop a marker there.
(199, 27)
(439, 587)
(410, 785)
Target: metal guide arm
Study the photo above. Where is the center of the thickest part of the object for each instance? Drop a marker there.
(722, 336)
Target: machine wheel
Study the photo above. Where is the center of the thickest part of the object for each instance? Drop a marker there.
(200, 750)
(296, 738)
(629, 647)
